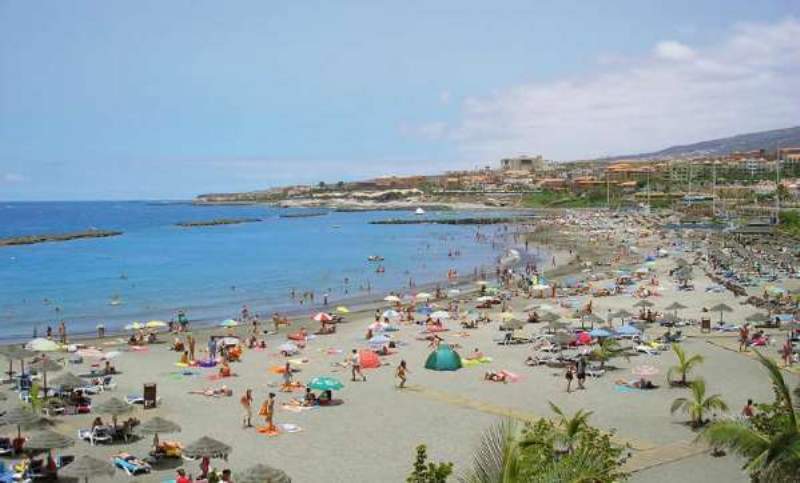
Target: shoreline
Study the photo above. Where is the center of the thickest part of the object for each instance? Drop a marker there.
(357, 304)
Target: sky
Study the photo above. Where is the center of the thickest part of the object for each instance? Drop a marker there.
(166, 100)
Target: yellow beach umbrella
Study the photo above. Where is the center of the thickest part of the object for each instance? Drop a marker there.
(342, 309)
(134, 326)
(155, 324)
(507, 316)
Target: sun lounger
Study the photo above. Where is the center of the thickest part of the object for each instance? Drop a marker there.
(131, 465)
(99, 434)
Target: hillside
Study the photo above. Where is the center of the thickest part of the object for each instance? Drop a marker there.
(769, 140)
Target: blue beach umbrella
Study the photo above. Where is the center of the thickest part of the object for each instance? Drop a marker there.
(425, 310)
(379, 340)
(628, 330)
(599, 333)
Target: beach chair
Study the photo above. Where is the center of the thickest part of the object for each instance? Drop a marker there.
(99, 434)
(131, 465)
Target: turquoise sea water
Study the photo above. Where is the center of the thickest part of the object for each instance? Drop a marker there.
(157, 268)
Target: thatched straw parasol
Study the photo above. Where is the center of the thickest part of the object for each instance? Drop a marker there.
(16, 353)
(262, 474)
(45, 364)
(757, 317)
(87, 467)
(720, 308)
(158, 425)
(48, 440)
(206, 447)
(68, 380)
(115, 407)
(20, 416)
(644, 303)
(675, 306)
(512, 325)
(592, 319)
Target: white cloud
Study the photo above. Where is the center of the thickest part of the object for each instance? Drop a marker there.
(12, 178)
(445, 97)
(671, 50)
(679, 94)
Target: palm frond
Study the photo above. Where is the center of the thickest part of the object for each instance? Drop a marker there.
(782, 392)
(737, 436)
(496, 460)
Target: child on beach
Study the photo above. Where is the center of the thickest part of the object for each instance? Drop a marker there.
(569, 375)
(401, 373)
(267, 411)
(355, 366)
(247, 405)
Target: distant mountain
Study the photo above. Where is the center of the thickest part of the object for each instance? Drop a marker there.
(768, 140)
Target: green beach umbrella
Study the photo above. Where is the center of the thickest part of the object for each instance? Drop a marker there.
(229, 323)
(443, 359)
(325, 384)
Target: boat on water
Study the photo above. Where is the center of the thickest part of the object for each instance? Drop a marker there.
(419, 211)
(375, 258)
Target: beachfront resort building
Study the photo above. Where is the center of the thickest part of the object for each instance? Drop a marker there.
(525, 163)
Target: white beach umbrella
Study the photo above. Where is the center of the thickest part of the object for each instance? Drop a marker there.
(391, 298)
(423, 296)
(391, 314)
(440, 314)
(42, 345)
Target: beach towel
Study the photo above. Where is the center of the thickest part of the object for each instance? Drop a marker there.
(294, 408)
(298, 361)
(139, 348)
(475, 362)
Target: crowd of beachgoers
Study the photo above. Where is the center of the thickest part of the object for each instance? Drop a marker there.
(597, 299)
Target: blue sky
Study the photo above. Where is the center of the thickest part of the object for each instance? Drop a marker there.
(154, 99)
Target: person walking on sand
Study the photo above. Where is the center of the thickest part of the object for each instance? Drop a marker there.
(569, 375)
(580, 370)
(401, 374)
(744, 335)
(191, 342)
(247, 406)
(355, 366)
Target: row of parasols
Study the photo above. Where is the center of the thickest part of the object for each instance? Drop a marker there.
(87, 467)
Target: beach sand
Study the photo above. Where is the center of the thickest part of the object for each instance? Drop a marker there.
(373, 435)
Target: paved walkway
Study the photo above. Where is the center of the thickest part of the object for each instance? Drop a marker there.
(644, 455)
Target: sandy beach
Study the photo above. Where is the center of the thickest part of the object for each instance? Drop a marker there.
(372, 435)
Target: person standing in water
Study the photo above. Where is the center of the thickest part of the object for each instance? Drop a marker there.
(401, 374)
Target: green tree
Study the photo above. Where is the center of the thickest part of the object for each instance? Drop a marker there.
(497, 458)
(570, 426)
(428, 472)
(698, 405)
(565, 450)
(684, 367)
(771, 441)
(609, 348)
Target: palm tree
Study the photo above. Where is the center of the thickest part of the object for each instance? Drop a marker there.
(684, 367)
(608, 349)
(571, 427)
(698, 405)
(497, 459)
(772, 456)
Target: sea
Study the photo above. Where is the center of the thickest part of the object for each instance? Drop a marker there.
(156, 268)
